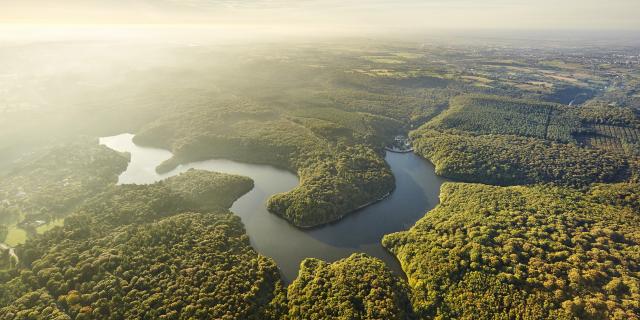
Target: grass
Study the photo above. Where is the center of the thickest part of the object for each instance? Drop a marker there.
(15, 236)
(52, 224)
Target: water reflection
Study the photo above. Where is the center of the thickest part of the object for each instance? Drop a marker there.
(417, 189)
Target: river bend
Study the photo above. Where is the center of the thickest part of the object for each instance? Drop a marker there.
(417, 190)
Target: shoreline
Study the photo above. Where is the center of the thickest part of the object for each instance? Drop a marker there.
(398, 151)
(316, 231)
(337, 220)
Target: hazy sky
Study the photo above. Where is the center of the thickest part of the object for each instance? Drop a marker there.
(372, 14)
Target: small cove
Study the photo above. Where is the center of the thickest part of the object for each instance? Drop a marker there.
(417, 190)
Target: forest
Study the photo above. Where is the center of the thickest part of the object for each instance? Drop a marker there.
(505, 141)
(513, 160)
(541, 223)
(53, 182)
(482, 114)
(186, 266)
(336, 154)
(140, 251)
(63, 175)
(358, 287)
(534, 252)
(127, 251)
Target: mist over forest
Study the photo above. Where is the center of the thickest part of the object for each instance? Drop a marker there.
(223, 159)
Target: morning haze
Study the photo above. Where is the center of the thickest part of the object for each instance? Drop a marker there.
(296, 160)
(368, 15)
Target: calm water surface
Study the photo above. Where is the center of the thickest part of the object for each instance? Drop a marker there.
(417, 189)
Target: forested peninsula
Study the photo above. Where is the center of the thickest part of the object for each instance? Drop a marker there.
(540, 220)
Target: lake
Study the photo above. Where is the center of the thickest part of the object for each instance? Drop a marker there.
(417, 190)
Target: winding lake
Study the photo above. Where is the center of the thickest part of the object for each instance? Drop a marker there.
(417, 189)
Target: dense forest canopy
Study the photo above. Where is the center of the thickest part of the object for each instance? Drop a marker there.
(358, 287)
(551, 132)
(56, 181)
(128, 250)
(506, 141)
(186, 266)
(512, 160)
(538, 252)
(498, 115)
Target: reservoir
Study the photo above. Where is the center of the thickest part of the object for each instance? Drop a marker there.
(417, 190)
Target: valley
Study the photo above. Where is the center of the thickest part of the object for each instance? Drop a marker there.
(320, 180)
